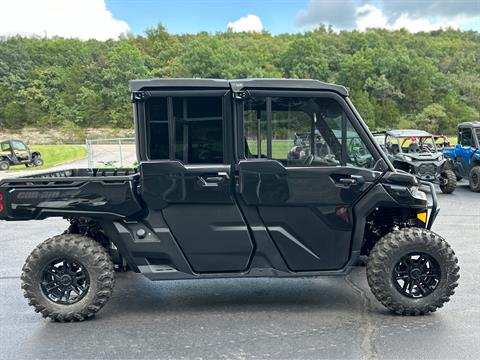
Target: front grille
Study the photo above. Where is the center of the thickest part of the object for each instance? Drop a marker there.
(427, 170)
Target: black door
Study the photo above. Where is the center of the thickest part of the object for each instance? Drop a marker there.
(305, 165)
(187, 178)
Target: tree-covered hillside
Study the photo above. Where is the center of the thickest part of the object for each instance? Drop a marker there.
(396, 79)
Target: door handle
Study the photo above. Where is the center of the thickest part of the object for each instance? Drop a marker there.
(347, 181)
(214, 179)
(210, 181)
(351, 180)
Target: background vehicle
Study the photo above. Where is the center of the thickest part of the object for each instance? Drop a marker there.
(217, 195)
(464, 158)
(416, 152)
(16, 152)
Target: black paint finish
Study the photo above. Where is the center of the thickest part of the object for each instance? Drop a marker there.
(306, 210)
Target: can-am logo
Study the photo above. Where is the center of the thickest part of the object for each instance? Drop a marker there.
(34, 195)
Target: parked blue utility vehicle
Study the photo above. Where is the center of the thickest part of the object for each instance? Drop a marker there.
(464, 158)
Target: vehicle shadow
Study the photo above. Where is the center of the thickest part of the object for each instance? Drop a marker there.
(135, 295)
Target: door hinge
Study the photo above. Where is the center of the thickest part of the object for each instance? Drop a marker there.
(241, 95)
(139, 96)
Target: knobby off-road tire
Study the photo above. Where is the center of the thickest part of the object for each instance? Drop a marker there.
(474, 179)
(395, 246)
(451, 181)
(38, 161)
(77, 249)
(4, 165)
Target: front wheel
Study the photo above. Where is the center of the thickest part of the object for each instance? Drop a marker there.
(37, 161)
(474, 179)
(68, 277)
(412, 271)
(448, 181)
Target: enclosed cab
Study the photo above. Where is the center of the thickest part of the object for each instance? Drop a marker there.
(237, 178)
(464, 158)
(16, 152)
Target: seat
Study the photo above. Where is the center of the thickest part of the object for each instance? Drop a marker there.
(413, 148)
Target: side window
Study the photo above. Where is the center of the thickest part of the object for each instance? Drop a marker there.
(357, 152)
(305, 132)
(5, 146)
(292, 131)
(157, 128)
(466, 137)
(198, 129)
(18, 145)
(255, 127)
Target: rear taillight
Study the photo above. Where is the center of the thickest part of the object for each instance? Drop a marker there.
(1, 202)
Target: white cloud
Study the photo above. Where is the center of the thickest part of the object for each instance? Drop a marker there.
(83, 19)
(421, 24)
(369, 16)
(415, 16)
(246, 23)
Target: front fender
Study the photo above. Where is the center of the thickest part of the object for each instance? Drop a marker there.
(476, 156)
(449, 153)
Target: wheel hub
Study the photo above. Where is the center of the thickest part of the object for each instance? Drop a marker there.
(66, 280)
(416, 275)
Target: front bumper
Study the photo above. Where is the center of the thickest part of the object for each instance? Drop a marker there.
(432, 205)
(427, 171)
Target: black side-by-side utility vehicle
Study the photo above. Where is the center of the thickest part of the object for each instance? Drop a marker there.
(218, 194)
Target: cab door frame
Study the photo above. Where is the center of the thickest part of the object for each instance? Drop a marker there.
(195, 200)
(300, 255)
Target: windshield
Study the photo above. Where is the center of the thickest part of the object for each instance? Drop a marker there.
(477, 132)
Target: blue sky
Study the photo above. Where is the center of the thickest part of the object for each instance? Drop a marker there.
(106, 19)
(191, 16)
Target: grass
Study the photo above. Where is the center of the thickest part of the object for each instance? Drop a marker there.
(54, 155)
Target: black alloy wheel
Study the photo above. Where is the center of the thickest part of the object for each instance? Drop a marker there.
(65, 281)
(416, 275)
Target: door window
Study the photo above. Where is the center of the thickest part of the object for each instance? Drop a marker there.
(303, 132)
(198, 129)
(465, 137)
(255, 127)
(157, 128)
(5, 146)
(197, 125)
(18, 145)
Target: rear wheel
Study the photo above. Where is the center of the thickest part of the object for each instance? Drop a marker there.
(68, 277)
(412, 271)
(448, 181)
(4, 165)
(474, 179)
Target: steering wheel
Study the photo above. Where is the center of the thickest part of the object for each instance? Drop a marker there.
(309, 160)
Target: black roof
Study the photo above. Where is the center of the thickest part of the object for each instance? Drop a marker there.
(237, 84)
(470, 124)
(149, 84)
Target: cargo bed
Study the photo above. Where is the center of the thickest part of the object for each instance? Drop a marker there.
(109, 193)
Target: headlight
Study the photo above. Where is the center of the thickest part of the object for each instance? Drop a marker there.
(408, 158)
(418, 194)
